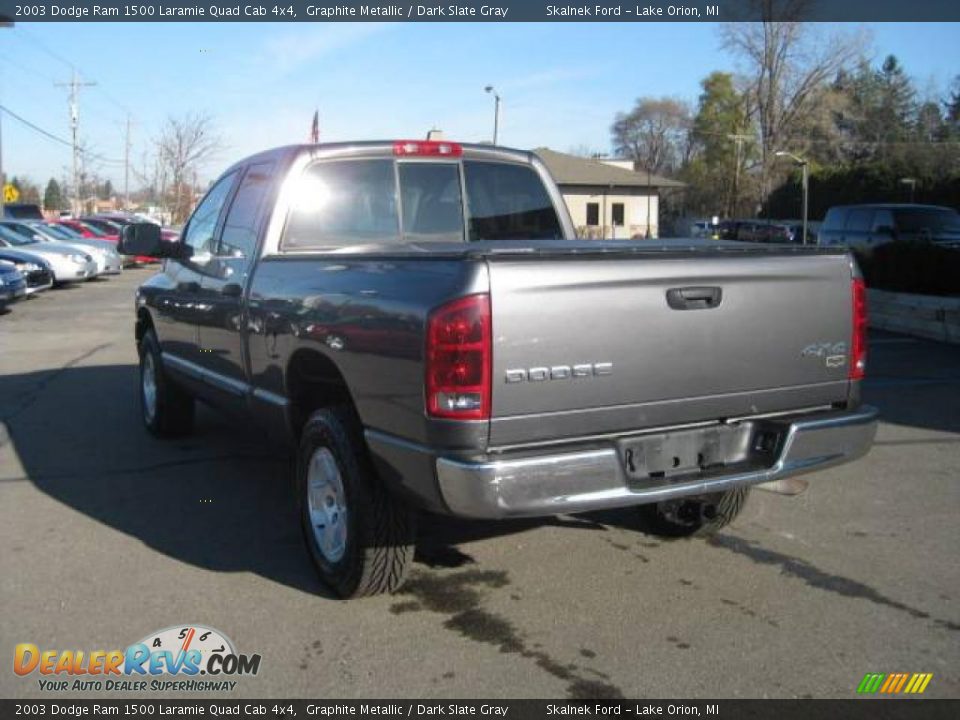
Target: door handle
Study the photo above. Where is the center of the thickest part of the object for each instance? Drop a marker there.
(694, 298)
(232, 290)
(189, 286)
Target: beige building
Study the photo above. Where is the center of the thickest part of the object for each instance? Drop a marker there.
(607, 198)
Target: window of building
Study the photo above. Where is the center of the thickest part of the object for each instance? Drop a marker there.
(616, 212)
(593, 214)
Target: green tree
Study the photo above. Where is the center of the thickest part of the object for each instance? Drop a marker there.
(52, 196)
(724, 138)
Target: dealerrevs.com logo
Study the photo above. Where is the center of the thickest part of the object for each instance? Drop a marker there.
(181, 658)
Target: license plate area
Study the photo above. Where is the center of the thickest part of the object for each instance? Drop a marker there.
(665, 456)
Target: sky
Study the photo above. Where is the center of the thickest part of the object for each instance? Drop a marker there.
(561, 83)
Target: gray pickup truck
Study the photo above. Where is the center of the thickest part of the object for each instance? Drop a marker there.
(417, 322)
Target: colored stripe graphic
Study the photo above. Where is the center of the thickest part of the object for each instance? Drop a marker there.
(870, 683)
(894, 683)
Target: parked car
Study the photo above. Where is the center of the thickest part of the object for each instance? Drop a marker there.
(67, 263)
(112, 261)
(105, 255)
(35, 270)
(22, 211)
(419, 323)
(866, 226)
(89, 231)
(12, 285)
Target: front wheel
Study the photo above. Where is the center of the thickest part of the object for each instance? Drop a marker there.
(167, 409)
(698, 516)
(360, 537)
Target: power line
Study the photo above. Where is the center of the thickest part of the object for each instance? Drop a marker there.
(62, 141)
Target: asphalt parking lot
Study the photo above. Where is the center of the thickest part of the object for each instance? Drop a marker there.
(109, 534)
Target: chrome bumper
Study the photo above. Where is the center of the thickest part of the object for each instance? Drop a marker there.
(595, 479)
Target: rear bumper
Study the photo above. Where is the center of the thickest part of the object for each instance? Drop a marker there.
(594, 479)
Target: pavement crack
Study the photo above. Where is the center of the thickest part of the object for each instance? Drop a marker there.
(817, 578)
(34, 393)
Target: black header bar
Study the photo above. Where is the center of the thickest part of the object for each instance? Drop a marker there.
(478, 11)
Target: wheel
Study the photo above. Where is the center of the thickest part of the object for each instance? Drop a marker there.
(698, 516)
(167, 409)
(360, 537)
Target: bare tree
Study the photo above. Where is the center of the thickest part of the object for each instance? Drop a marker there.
(183, 146)
(655, 134)
(789, 67)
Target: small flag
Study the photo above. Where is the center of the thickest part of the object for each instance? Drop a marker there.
(315, 127)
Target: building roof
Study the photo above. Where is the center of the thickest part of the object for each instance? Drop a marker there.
(573, 170)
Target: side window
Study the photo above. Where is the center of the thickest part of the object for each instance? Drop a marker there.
(593, 214)
(834, 219)
(203, 223)
(882, 219)
(859, 220)
(431, 203)
(343, 202)
(508, 201)
(239, 237)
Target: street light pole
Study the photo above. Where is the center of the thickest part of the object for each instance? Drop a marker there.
(805, 182)
(496, 111)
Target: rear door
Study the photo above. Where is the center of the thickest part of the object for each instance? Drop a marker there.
(624, 342)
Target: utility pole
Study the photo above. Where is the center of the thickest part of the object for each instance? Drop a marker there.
(126, 164)
(496, 111)
(75, 84)
(3, 178)
(739, 140)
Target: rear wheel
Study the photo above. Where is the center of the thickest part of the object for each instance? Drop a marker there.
(698, 516)
(360, 537)
(166, 408)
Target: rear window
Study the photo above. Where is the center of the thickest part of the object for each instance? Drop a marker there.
(508, 202)
(354, 202)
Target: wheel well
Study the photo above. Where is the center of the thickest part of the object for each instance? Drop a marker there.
(314, 382)
(144, 323)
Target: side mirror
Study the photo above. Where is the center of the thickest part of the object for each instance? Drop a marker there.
(145, 239)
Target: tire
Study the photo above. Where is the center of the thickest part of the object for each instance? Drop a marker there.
(168, 410)
(699, 516)
(360, 537)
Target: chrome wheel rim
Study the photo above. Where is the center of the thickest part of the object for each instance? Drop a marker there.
(149, 383)
(327, 505)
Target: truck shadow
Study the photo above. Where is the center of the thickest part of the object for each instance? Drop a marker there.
(219, 499)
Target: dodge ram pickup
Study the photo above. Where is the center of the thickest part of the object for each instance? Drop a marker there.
(417, 322)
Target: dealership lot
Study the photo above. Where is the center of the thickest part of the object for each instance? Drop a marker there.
(109, 534)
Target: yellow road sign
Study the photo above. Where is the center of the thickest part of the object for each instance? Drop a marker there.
(10, 193)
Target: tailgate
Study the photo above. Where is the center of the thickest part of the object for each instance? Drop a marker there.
(605, 344)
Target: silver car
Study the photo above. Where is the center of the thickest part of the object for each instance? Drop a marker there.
(67, 263)
(103, 253)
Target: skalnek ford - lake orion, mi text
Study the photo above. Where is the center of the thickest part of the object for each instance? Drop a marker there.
(627, 11)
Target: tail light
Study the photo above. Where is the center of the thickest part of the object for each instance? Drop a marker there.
(430, 148)
(458, 359)
(858, 344)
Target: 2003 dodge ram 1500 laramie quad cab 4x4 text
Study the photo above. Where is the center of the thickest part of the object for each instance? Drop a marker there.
(419, 323)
